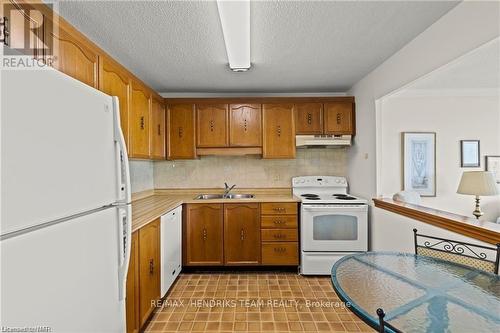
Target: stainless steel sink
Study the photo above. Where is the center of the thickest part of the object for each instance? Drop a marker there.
(221, 196)
(239, 196)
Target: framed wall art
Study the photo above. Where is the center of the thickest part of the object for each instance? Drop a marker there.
(469, 154)
(419, 162)
(492, 163)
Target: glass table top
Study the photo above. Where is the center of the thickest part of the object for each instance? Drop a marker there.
(418, 293)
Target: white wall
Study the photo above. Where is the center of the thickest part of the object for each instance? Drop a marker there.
(464, 28)
(452, 118)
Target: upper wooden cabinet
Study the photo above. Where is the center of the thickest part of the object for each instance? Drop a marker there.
(203, 235)
(115, 81)
(139, 144)
(72, 54)
(212, 125)
(132, 298)
(157, 131)
(241, 234)
(278, 131)
(149, 269)
(339, 118)
(309, 118)
(245, 125)
(181, 135)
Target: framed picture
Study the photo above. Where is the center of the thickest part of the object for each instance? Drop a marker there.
(419, 162)
(469, 154)
(492, 164)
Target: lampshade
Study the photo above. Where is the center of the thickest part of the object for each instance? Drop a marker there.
(478, 183)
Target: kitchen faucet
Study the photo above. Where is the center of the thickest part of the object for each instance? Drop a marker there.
(228, 189)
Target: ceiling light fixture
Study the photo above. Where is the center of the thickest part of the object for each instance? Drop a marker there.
(235, 20)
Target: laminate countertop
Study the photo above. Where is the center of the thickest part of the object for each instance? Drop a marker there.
(148, 206)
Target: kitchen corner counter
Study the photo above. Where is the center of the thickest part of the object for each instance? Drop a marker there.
(146, 209)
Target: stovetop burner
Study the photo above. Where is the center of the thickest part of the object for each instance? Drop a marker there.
(309, 196)
(313, 198)
(343, 197)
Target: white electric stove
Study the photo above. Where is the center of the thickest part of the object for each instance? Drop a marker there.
(333, 223)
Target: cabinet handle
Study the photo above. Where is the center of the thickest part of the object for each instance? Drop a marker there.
(309, 118)
(245, 125)
(205, 234)
(4, 30)
(278, 221)
(181, 132)
(151, 266)
(278, 130)
(279, 209)
(142, 122)
(339, 119)
(159, 129)
(211, 125)
(242, 234)
(279, 236)
(279, 249)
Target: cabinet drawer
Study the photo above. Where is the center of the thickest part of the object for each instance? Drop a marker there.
(279, 208)
(279, 235)
(280, 253)
(278, 221)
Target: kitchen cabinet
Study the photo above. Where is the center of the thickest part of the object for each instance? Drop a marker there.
(339, 118)
(309, 118)
(157, 130)
(212, 125)
(278, 131)
(280, 253)
(171, 253)
(181, 134)
(132, 288)
(241, 234)
(279, 208)
(72, 53)
(203, 234)
(139, 140)
(245, 125)
(149, 269)
(115, 81)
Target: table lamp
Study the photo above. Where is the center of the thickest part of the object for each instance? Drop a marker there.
(478, 183)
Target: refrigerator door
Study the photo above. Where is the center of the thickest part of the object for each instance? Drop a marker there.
(66, 276)
(59, 149)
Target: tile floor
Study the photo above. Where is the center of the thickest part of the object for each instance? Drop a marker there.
(254, 302)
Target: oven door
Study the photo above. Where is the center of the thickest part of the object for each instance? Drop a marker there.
(328, 228)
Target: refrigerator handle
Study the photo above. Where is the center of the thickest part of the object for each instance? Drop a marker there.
(125, 243)
(123, 171)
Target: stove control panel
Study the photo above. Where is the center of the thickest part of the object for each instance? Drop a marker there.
(319, 181)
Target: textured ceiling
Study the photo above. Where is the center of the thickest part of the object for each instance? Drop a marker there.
(297, 46)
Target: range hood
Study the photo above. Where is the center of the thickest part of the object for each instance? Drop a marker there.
(318, 141)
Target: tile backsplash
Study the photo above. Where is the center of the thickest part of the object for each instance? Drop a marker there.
(248, 171)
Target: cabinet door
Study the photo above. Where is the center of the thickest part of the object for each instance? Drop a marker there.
(203, 232)
(115, 81)
(72, 54)
(132, 308)
(212, 125)
(241, 234)
(309, 118)
(25, 25)
(139, 121)
(245, 125)
(181, 142)
(279, 131)
(149, 268)
(339, 118)
(157, 131)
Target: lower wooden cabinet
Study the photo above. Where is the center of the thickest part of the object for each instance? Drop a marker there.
(280, 253)
(132, 291)
(203, 235)
(241, 234)
(149, 269)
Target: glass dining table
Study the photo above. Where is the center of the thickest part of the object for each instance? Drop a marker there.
(418, 293)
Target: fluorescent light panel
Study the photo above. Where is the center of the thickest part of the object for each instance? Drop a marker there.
(235, 21)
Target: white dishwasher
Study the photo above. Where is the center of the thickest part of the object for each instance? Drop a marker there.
(171, 248)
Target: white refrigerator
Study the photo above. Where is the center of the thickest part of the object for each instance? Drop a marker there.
(65, 205)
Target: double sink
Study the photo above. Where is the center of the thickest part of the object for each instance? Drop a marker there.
(222, 196)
